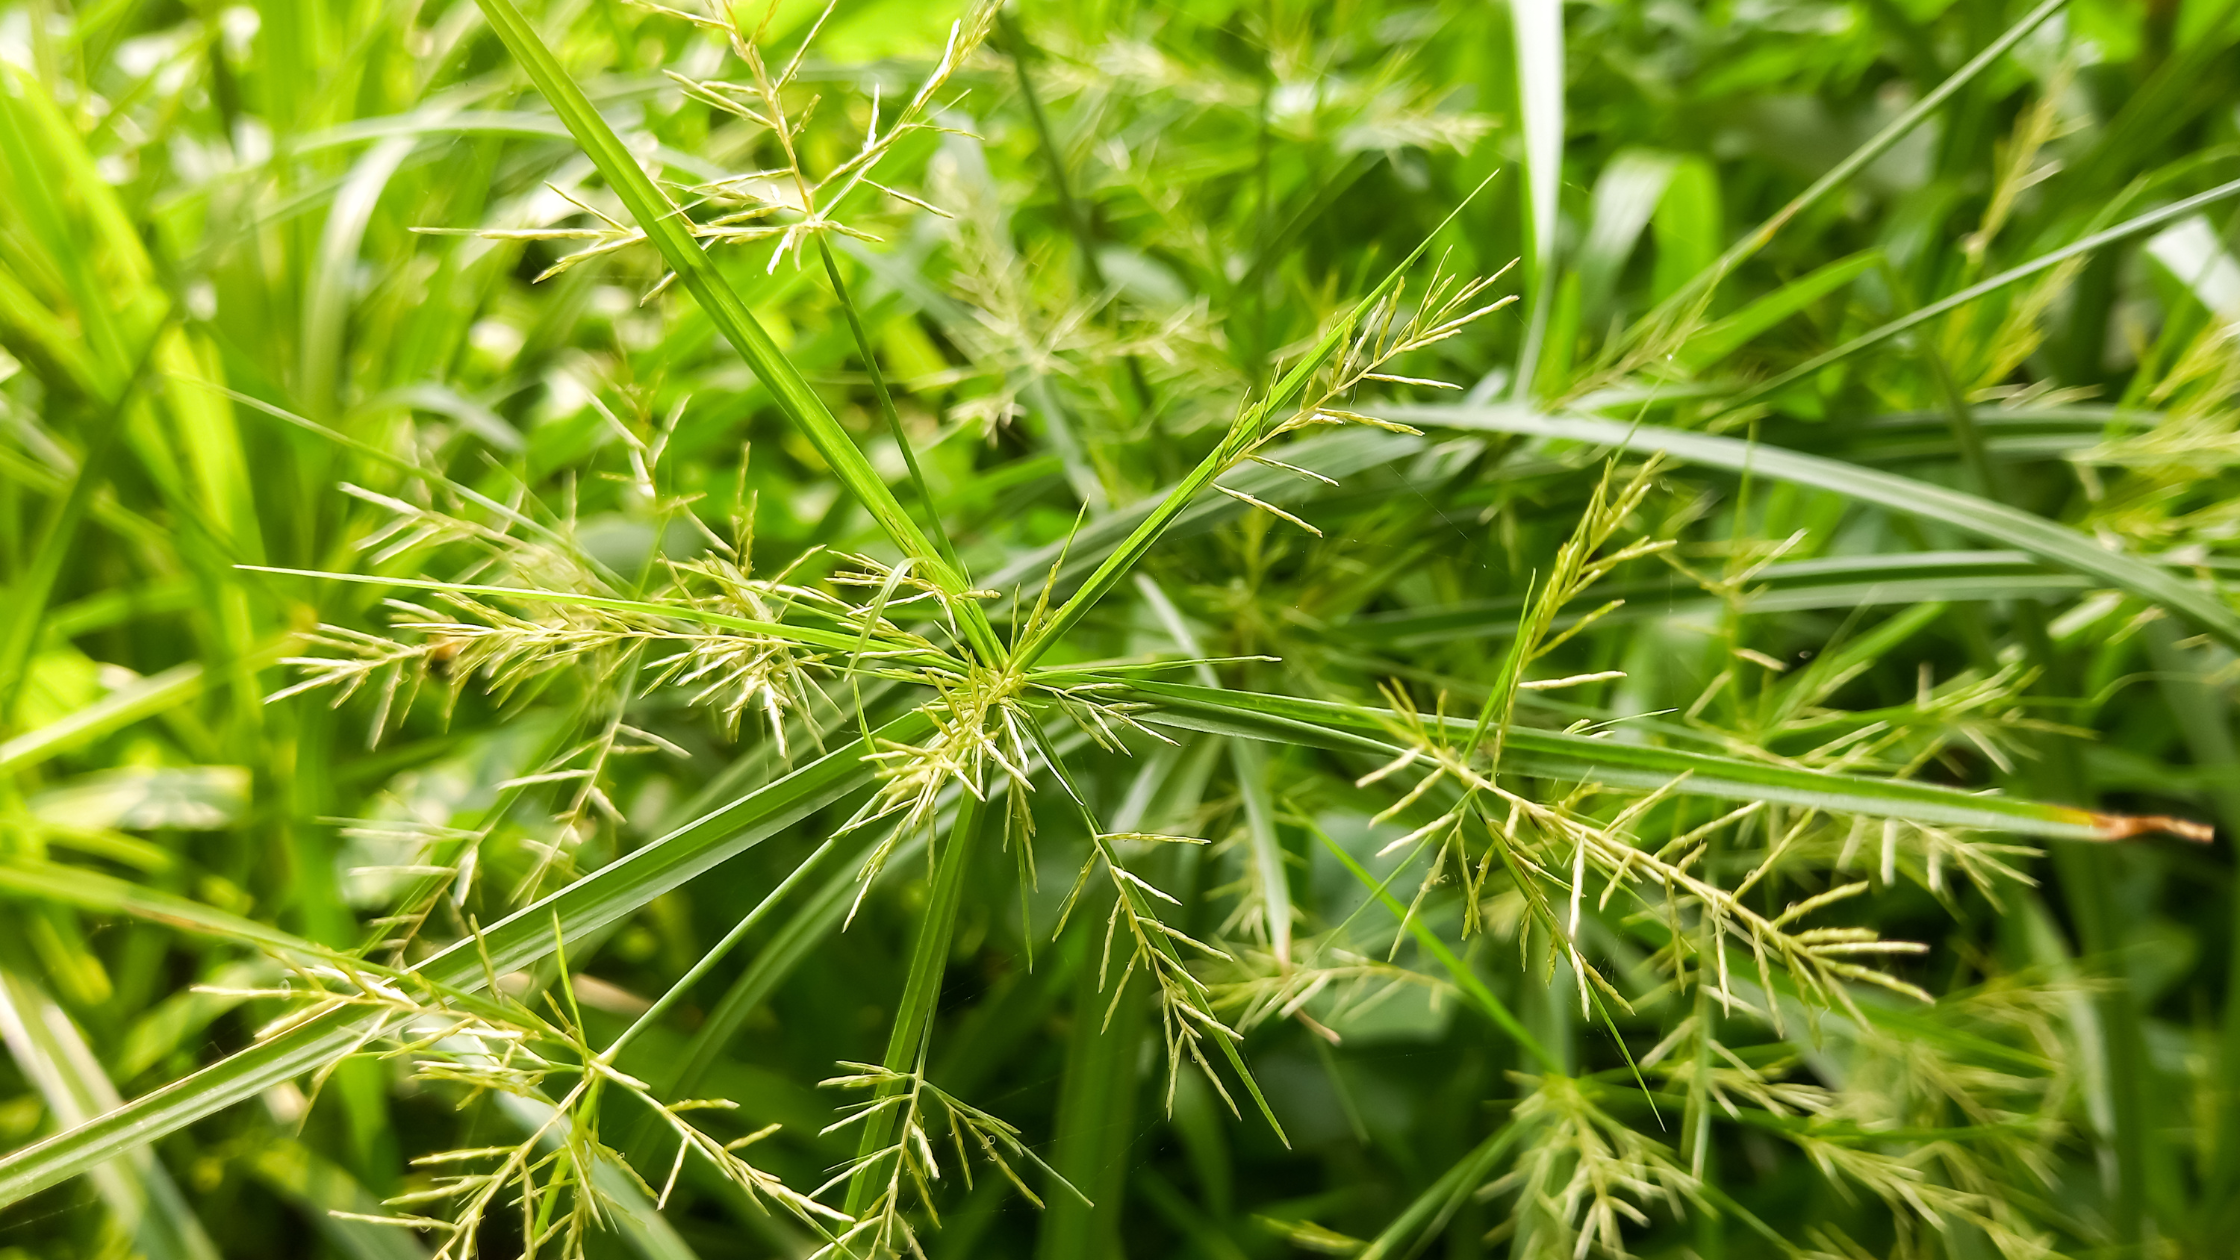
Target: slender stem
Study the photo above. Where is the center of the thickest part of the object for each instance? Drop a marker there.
(886, 404)
(982, 635)
(1079, 472)
(1077, 223)
(921, 992)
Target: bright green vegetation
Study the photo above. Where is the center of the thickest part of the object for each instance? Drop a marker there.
(1205, 629)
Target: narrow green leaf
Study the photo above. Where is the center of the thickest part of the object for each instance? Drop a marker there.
(2044, 262)
(1839, 582)
(28, 595)
(1250, 764)
(322, 1191)
(1538, 26)
(715, 953)
(660, 220)
(1580, 758)
(128, 704)
(53, 1055)
(35, 879)
(1430, 1211)
(1723, 338)
(1626, 195)
(1333, 455)
(813, 922)
(921, 989)
(2057, 545)
(605, 896)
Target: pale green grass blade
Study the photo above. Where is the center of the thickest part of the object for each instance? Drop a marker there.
(128, 704)
(1268, 861)
(1689, 227)
(39, 880)
(33, 119)
(2195, 256)
(1538, 26)
(327, 304)
(2057, 545)
(1626, 196)
(54, 1056)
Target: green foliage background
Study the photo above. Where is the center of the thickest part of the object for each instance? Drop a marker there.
(1828, 896)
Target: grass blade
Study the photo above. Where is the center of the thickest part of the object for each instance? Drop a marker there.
(921, 991)
(321, 1190)
(1680, 307)
(659, 219)
(603, 897)
(1578, 758)
(1429, 1211)
(2045, 262)
(2057, 545)
(1540, 80)
(1459, 971)
(53, 1055)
